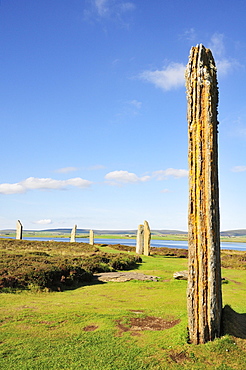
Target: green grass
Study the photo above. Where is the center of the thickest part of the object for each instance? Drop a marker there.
(47, 330)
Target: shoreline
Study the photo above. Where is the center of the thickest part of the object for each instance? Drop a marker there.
(169, 237)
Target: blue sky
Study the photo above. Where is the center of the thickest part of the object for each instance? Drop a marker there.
(93, 111)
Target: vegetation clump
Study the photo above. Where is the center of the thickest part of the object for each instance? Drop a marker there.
(160, 251)
(232, 259)
(169, 252)
(121, 247)
(47, 246)
(24, 264)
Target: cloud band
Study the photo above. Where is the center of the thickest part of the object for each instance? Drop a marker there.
(34, 183)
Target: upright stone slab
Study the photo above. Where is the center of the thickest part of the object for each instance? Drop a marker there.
(19, 229)
(140, 240)
(91, 237)
(147, 237)
(73, 234)
(204, 299)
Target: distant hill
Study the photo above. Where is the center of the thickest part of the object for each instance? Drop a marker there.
(229, 233)
(86, 231)
(106, 232)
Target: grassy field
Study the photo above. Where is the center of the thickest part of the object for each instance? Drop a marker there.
(117, 325)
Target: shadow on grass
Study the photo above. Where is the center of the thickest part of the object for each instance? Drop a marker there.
(55, 288)
(233, 323)
(63, 288)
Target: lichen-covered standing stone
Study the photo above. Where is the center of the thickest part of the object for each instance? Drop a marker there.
(204, 278)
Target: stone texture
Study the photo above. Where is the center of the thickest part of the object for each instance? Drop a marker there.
(19, 229)
(204, 278)
(91, 237)
(140, 240)
(181, 275)
(147, 238)
(73, 234)
(123, 276)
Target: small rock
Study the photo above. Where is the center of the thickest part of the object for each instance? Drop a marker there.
(181, 275)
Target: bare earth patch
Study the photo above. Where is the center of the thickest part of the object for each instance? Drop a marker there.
(178, 357)
(90, 328)
(138, 324)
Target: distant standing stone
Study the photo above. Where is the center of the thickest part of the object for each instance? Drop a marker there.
(147, 237)
(91, 237)
(19, 229)
(140, 240)
(73, 234)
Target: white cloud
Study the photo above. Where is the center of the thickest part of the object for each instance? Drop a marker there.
(163, 174)
(107, 8)
(67, 169)
(165, 191)
(239, 169)
(224, 65)
(124, 177)
(11, 188)
(78, 182)
(170, 77)
(136, 104)
(117, 178)
(217, 44)
(43, 222)
(102, 7)
(189, 34)
(126, 6)
(33, 183)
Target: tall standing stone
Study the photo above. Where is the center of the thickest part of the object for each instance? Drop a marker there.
(73, 234)
(140, 240)
(204, 298)
(19, 229)
(91, 237)
(147, 237)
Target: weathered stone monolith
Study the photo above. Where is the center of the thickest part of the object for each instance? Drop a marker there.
(204, 299)
(91, 237)
(147, 237)
(73, 234)
(19, 229)
(140, 240)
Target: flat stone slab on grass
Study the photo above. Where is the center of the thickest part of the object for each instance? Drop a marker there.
(124, 276)
(181, 275)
